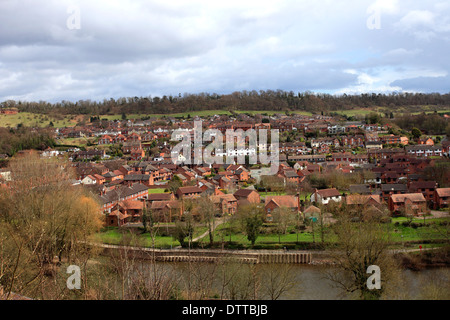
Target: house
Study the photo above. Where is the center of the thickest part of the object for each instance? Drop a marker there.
(290, 176)
(374, 145)
(427, 188)
(311, 211)
(225, 203)
(409, 203)
(324, 196)
(110, 199)
(128, 211)
(152, 197)
(426, 141)
(360, 189)
(247, 196)
(242, 174)
(106, 139)
(167, 211)
(357, 200)
(145, 179)
(390, 189)
(137, 153)
(89, 154)
(423, 150)
(441, 198)
(274, 202)
(188, 192)
(88, 180)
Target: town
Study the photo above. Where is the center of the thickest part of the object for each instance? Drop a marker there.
(129, 165)
(126, 183)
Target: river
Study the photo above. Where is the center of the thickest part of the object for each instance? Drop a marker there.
(310, 282)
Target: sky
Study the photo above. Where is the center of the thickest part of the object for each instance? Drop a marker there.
(55, 50)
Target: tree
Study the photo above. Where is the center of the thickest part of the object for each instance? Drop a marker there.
(251, 218)
(416, 133)
(278, 279)
(184, 229)
(174, 184)
(44, 220)
(360, 245)
(207, 211)
(282, 217)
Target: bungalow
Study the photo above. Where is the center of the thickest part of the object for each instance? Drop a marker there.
(88, 180)
(426, 141)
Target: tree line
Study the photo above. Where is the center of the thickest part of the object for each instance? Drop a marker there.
(24, 138)
(272, 100)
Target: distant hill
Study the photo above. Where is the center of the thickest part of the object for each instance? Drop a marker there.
(268, 100)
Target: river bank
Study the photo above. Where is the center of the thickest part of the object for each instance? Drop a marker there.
(407, 259)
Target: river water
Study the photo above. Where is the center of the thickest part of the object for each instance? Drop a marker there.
(310, 282)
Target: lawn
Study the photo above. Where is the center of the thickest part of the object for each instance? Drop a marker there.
(158, 190)
(113, 235)
(400, 234)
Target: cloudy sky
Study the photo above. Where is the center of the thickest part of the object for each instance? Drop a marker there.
(57, 50)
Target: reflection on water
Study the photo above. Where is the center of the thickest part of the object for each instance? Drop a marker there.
(311, 283)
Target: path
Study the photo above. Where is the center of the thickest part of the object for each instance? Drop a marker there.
(217, 223)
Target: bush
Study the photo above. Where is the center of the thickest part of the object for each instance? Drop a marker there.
(414, 225)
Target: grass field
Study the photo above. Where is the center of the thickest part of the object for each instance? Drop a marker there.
(159, 190)
(115, 236)
(36, 120)
(80, 142)
(40, 120)
(401, 235)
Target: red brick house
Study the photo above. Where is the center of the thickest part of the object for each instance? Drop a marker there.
(441, 198)
(247, 196)
(167, 211)
(188, 192)
(225, 203)
(409, 203)
(128, 211)
(427, 188)
(274, 202)
(106, 139)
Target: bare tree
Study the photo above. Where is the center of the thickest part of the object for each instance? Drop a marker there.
(360, 245)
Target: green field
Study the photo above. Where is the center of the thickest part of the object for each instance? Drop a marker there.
(59, 121)
(434, 234)
(36, 120)
(159, 190)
